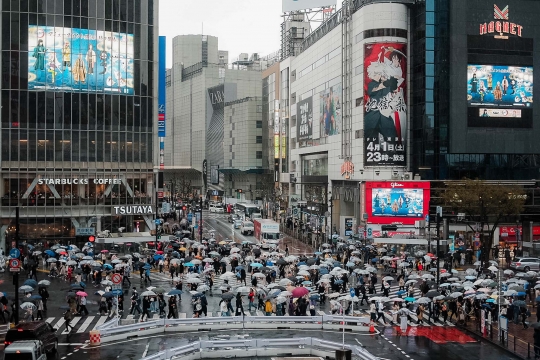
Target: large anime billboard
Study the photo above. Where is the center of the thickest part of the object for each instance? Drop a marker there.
(66, 59)
(397, 202)
(385, 104)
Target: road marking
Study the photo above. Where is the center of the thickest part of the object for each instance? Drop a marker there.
(85, 324)
(72, 323)
(145, 351)
(59, 324)
(50, 320)
(101, 320)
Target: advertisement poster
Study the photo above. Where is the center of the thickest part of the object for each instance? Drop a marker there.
(397, 202)
(348, 226)
(330, 104)
(508, 87)
(65, 59)
(385, 104)
(304, 119)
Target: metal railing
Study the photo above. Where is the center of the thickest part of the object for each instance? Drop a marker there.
(324, 322)
(259, 347)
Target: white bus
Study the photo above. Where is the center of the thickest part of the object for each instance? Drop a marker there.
(247, 210)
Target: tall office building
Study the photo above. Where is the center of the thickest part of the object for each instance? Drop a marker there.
(78, 100)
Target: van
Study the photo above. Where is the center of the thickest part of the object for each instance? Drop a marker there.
(33, 330)
(256, 216)
(25, 350)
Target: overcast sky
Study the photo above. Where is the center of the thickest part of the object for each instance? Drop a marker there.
(250, 26)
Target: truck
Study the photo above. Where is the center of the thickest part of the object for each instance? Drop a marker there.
(266, 230)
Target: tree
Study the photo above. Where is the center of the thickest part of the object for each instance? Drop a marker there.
(484, 203)
(181, 186)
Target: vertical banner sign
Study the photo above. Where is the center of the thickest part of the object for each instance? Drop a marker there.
(205, 173)
(161, 100)
(385, 104)
(304, 119)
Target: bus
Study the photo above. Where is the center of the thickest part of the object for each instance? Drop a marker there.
(247, 210)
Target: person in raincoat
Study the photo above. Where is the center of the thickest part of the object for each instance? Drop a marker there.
(403, 314)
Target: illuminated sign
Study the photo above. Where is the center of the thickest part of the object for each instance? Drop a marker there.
(133, 210)
(500, 26)
(347, 169)
(397, 202)
(77, 181)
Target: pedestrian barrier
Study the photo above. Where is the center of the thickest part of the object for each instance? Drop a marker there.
(323, 322)
(109, 324)
(259, 347)
(95, 338)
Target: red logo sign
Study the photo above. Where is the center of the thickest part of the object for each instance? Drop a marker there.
(160, 194)
(500, 26)
(347, 169)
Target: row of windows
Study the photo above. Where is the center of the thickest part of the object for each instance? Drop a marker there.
(332, 54)
(29, 109)
(366, 34)
(76, 146)
(140, 11)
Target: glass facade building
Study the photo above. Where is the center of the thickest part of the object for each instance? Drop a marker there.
(77, 101)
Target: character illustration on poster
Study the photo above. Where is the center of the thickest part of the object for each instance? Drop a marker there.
(507, 86)
(385, 109)
(397, 202)
(86, 60)
(330, 111)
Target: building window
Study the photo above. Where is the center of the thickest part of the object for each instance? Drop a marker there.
(258, 155)
(259, 140)
(259, 124)
(259, 108)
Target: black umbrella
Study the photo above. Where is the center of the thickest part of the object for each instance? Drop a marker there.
(78, 271)
(281, 262)
(432, 293)
(282, 288)
(227, 296)
(311, 261)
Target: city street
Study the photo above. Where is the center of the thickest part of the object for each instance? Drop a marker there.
(420, 342)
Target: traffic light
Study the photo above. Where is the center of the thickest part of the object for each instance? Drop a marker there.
(91, 238)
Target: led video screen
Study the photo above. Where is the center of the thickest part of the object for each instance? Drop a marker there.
(83, 60)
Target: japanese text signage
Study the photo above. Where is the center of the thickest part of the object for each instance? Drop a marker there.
(385, 104)
(304, 119)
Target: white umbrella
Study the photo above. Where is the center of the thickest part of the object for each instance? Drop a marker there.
(203, 288)
(259, 275)
(71, 263)
(428, 276)
(148, 293)
(388, 278)
(28, 305)
(51, 260)
(456, 294)
(304, 273)
(284, 282)
(493, 268)
(195, 261)
(423, 300)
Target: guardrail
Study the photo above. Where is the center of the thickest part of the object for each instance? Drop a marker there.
(323, 322)
(258, 347)
(109, 324)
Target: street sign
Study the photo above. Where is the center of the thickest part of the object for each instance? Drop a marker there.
(85, 231)
(369, 233)
(160, 194)
(14, 253)
(353, 294)
(116, 279)
(14, 265)
(116, 287)
(295, 212)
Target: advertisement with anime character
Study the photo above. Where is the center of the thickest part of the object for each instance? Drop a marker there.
(385, 104)
(500, 86)
(330, 110)
(65, 59)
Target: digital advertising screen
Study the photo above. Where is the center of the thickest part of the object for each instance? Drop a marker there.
(397, 202)
(385, 104)
(83, 60)
(500, 96)
(500, 86)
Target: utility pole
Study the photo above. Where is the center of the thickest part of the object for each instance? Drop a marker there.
(16, 274)
(439, 216)
(201, 224)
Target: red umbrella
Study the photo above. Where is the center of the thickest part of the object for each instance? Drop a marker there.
(81, 293)
(159, 252)
(299, 292)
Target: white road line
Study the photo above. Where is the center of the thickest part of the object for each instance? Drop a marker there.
(145, 351)
(72, 323)
(85, 324)
(50, 320)
(59, 323)
(101, 320)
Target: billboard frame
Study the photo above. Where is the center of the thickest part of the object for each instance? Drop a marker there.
(296, 5)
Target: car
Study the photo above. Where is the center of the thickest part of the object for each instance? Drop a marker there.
(247, 228)
(212, 208)
(25, 350)
(34, 330)
(219, 209)
(525, 264)
(232, 217)
(237, 224)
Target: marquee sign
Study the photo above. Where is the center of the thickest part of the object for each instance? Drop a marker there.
(133, 210)
(501, 25)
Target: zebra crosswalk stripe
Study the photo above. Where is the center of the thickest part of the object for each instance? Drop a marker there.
(85, 324)
(72, 323)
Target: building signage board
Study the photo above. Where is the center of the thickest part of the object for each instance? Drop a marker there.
(295, 5)
(304, 119)
(78, 181)
(501, 27)
(85, 231)
(385, 104)
(133, 210)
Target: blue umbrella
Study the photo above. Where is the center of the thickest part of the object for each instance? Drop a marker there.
(269, 263)
(349, 264)
(257, 265)
(82, 284)
(306, 282)
(338, 282)
(115, 292)
(31, 282)
(35, 297)
(521, 293)
(30, 247)
(314, 297)
(175, 292)
(537, 299)
(50, 253)
(410, 299)
(239, 267)
(107, 266)
(490, 300)
(300, 263)
(401, 292)
(158, 257)
(323, 271)
(189, 264)
(374, 260)
(318, 253)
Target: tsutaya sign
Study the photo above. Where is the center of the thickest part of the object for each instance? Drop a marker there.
(133, 210)
(79, 181)
(500, 26)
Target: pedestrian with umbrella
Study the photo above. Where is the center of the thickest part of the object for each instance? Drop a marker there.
(239, 305)
(146, 308)
(68, 316)
(172, 307)
(135, 299)
(82, 303)
(44, 295)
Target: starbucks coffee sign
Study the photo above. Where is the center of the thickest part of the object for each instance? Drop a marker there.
(133, 210)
